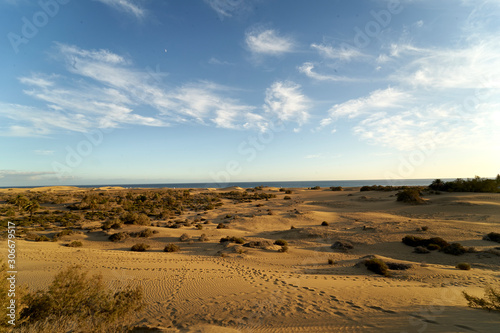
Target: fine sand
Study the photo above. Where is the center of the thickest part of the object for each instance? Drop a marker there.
(213, 287)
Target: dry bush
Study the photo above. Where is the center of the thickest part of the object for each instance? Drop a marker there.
(139, 247)
(463, 266)
(75, 302)
(377, 266)
(490, 302)
(171, 248)
(185, 238)
(75, 244)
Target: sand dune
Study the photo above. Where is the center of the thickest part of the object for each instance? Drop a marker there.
(212, 287)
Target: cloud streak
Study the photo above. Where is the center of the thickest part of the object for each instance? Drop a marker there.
(268, 42)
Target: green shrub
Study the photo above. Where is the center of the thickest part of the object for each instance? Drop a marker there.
(42, 238)
(75, 300)
(146, 233)
(185, 238)
(281, 242)
(119, 236)
(139, 247)
(75, 244)
(284, 248)
(490, 302)
(425, 242)
(143, 219)
(336, 188)
(171, 248)
(398, 266)
(377, 266)
(454, 248)
(492, 236)
(410, 195)
(463, 266)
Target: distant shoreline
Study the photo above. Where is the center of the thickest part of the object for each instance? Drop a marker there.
(287, 184)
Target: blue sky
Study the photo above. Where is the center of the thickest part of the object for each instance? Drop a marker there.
(123, 91)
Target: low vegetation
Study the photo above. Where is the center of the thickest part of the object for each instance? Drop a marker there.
(377, 266)
(492, 236)
(490, 302)
(171, 248)
(435, 243)
(76, 302)
(140, 247)
(463, 266)
(281, 242)
(411, 196)
(75, 244)
(476, 184)
(236, 240)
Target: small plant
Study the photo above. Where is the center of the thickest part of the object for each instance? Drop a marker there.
(42, 238)
(74, 299)
(336, 188)
(424, 228)
(119, 236)
(140, 247)
(281, 242)
(75, 244)
(286, 197)
(221, 226)
(185, 238)
(171, 247)
(455, 249)
(331, 262)
(199, 226)
(288, 192)
(316, 188)
(492, 236)
(236, 240)
(203, 238)
(377, 266)
(292, 227)
(324, 223)
(284, 248)
(463, 266)
(490, 302)
(411, 196)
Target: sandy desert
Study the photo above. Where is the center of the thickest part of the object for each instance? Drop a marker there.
(258, 286)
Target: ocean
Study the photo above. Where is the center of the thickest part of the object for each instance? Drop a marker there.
(285, 184)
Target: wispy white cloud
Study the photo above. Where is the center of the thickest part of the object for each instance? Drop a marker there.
(285, 101)
(128, 6)
(377, 100)
(469, 67)
(16, 178)
(104, 90)
(342, 53)
(228, 8)
(268, 42)
(307, 68)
